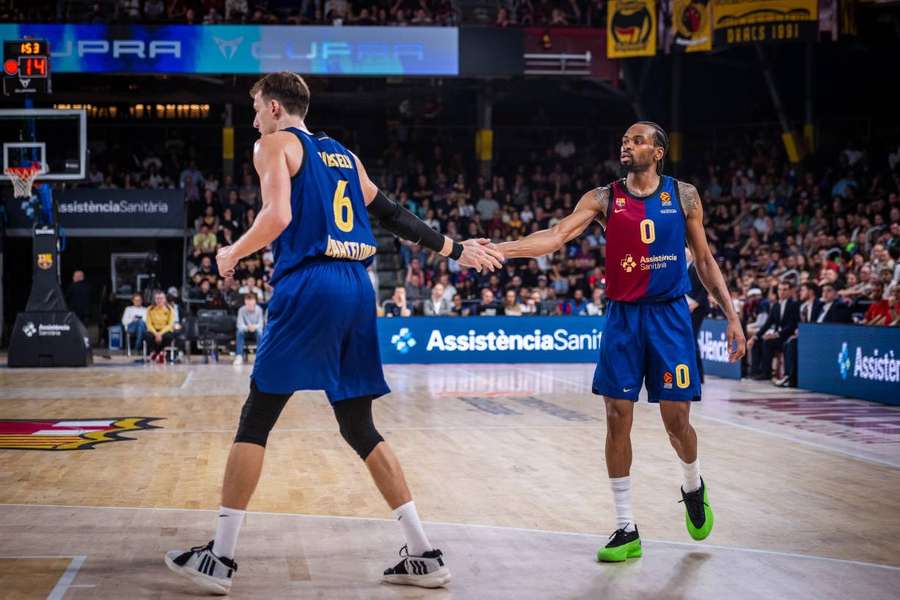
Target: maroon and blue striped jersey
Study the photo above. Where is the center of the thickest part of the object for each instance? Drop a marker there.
(645, 240)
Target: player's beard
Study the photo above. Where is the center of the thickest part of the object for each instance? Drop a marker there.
(633, 167)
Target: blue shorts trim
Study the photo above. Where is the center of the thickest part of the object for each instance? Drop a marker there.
(321, 334)
(648, 344)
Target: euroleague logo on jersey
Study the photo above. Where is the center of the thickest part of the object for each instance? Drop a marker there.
(667, 380)
(666, 199)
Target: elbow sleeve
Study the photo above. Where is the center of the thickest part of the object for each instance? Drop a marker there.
(402, 223)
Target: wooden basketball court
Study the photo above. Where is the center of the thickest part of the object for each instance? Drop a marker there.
(506, 466)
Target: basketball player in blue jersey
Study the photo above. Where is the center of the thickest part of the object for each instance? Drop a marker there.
(321, 332)
(648, 338)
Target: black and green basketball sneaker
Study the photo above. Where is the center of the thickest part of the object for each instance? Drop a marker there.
(698, 515)
(622, 545)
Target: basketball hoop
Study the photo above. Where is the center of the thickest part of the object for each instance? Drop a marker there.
(23, 178)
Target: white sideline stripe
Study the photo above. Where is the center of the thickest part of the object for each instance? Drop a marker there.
(187, 381)
(84, 424)
(65, 582)
(31, 556)
(479, 526)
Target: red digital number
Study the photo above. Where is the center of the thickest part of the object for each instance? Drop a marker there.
(34, 67)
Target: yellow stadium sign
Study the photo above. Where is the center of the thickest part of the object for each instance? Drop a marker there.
(764, 21)
(692, 22)
(631, 28)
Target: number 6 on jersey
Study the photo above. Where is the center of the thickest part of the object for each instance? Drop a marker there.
(342, 203)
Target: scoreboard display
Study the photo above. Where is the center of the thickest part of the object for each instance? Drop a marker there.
(26, 67)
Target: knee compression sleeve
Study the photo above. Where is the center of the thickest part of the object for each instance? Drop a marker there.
(354, 416)
(258, 416)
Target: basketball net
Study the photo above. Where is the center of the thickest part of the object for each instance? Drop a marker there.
(23, 178)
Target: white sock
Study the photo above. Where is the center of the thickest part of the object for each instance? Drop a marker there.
(691, 475)
(621, 488)
(416, 542)
(228, 526)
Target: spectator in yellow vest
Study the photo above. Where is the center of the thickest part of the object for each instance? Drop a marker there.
(160, 326)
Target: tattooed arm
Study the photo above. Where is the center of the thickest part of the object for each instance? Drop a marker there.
(593, 205)
(708, 269)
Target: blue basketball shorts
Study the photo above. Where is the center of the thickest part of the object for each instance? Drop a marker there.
(321, 334)
(648, 344)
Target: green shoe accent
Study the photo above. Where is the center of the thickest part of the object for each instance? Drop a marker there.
(700, 533)
(620, 553)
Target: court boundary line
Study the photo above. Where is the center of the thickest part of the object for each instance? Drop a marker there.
(33, 556)
(67, 578)
(695, 546)
(187, 380)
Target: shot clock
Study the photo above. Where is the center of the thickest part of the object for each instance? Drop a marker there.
(26, 67)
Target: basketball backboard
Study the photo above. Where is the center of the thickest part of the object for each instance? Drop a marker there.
(55, 138)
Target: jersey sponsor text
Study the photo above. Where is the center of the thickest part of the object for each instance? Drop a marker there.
(349, 250)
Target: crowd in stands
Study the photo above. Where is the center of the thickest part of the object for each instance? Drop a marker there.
(766, 222)
(795, 243)
(816, 244)
(506, 13)
(218, 212)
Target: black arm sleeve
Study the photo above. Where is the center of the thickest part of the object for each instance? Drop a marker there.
(402, 223)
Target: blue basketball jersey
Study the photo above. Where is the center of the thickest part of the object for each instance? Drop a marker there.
(328, 211)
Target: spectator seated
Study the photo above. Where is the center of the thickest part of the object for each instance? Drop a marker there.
(250, 323)
(160, 327)
(134, 322)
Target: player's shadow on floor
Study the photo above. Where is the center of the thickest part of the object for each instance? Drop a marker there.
(631, 580)
(685, 576)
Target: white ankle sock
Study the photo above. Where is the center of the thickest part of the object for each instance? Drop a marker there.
(621, 488)
(691, 475)
(416, 542)
(228, 526)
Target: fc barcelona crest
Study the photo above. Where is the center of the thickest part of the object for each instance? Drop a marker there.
(45, 261)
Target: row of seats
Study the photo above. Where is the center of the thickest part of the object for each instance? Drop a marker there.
(210, 331)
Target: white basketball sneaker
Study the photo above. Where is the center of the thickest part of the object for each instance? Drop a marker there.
(210, 572)
(428, 570)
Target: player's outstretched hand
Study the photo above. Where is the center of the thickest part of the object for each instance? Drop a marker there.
(481, 254)
(226, 261)
(737, 344)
